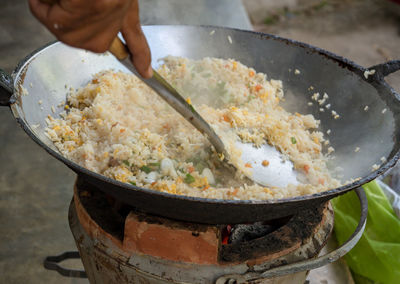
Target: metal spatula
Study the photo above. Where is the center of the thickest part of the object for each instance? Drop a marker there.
(277, 171)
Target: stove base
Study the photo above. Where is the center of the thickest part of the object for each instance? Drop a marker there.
(105, 263)
(110, 256)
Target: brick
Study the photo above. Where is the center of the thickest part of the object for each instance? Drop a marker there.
(172, 242)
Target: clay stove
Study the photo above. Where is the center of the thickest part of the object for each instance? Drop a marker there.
(119, 245)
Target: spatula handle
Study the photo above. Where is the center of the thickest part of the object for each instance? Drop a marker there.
(118, 49)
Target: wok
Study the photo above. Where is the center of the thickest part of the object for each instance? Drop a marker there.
(44, 75)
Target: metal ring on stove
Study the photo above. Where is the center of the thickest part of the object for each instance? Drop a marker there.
(310, 263)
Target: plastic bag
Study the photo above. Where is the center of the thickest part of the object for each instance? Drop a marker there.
(392, 196)
(377, 255)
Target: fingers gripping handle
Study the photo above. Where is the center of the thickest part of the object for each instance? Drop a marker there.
(6, 82)
(117, 48)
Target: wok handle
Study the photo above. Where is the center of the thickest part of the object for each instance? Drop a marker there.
(384, 69)
(6, 89)
(310, 263)
(52, 263)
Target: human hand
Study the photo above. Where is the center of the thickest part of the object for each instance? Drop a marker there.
(93, 25)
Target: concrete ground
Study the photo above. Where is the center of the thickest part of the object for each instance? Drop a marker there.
(35, 189)
(364, 31)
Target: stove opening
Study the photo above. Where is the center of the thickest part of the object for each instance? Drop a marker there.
(235, 234)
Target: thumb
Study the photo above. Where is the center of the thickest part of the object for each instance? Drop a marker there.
(136, 41)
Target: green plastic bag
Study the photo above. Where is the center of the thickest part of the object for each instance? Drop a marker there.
(377, 255)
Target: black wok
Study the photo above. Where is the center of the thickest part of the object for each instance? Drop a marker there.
(45, 73)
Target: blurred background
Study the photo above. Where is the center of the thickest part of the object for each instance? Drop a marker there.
(35, 189)
(364, 31)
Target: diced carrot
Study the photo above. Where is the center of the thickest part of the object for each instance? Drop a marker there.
(265, 163)
(95, 81)
(190, 169)
(226, 118)
(306, 168)
(234, 65)
(248, 165)
(235, 191)
(153, 183)
(206, 187)
(122, 130)
(251, 73)
(321, 181)
(258, 87)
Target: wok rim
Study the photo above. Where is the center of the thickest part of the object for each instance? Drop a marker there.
(22, 66)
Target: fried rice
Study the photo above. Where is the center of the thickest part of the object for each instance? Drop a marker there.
(118, 127)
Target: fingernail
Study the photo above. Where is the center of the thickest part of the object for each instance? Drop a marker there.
(149, 72)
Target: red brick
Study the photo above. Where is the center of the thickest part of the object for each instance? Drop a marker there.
(170, 241)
